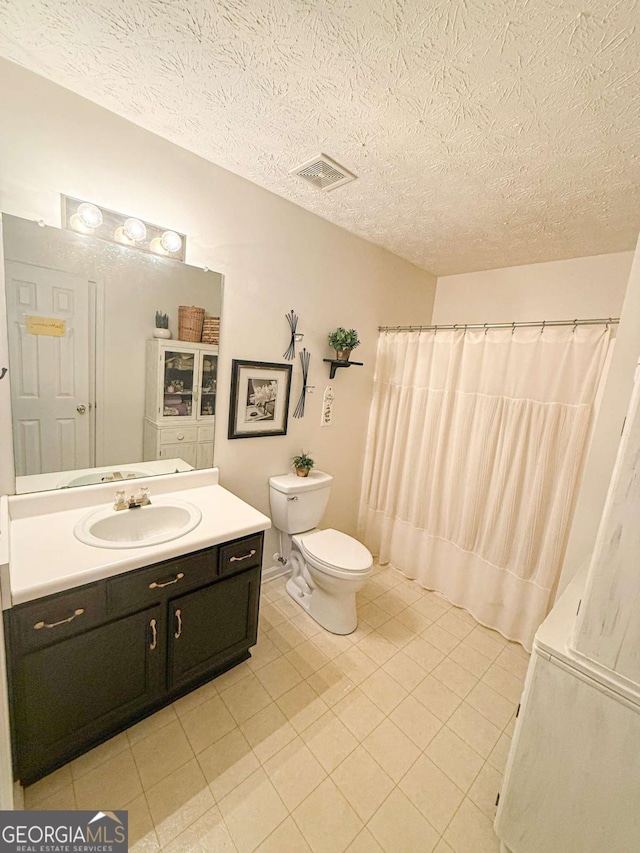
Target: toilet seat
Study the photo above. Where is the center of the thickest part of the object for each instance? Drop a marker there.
(334, 552)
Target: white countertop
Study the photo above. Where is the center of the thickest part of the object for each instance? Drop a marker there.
(45, 557)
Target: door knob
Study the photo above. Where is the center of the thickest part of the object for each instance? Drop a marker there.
(81, 409)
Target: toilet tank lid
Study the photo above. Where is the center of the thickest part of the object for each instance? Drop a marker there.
(291, 484)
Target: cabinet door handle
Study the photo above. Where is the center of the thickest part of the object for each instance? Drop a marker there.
(154, 633)
(246, 557)
(179, 618)
(77, 612)
(159, 585)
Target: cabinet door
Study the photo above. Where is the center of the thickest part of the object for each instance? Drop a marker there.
(178, 371)
(71, 694)
(204, 455)
(208, 370)
(186, 452)
(212, 627)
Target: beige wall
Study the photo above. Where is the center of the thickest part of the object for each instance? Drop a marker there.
(557, 290)
(274, 256)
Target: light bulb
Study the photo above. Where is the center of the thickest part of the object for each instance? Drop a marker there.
(135, 229)
(157, 247)
(122, 237)
(171, 242)
(90, 215)
(78, 225)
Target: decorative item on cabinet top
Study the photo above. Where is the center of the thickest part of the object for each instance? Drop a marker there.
(162, 326)
(259, 399)
(190, 322)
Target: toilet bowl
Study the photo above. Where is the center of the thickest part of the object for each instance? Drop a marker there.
(328, 567)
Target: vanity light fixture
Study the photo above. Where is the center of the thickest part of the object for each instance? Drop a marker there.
(87, 218)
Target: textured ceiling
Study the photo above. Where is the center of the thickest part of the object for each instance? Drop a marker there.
(484, 133)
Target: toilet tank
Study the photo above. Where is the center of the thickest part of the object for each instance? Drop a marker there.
(298, 503)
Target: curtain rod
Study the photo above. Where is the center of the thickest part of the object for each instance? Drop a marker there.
(542, 323)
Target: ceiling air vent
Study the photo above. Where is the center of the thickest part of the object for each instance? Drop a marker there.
(323, 172)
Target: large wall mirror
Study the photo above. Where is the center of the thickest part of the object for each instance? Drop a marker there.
(95, 396)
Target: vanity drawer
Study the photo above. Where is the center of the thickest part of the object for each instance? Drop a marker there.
(143, 587)
(41, 623)
(171, 436)
(240, 555)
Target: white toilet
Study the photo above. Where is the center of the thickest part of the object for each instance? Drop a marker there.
(327, 567)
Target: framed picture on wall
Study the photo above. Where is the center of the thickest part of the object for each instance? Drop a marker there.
(259, 399)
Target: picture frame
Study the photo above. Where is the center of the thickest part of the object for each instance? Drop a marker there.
(259, 405)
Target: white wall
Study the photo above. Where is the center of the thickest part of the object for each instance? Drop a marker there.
(274, 255)
(556, 290)
(598, 286)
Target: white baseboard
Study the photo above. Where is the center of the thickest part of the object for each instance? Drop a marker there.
(274, 572)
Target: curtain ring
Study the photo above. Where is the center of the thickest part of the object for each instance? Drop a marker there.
(486, 328)
(608, 323)
(544, 323)
(465, 328)
(435, 330)
(575, 325)
(513, 328)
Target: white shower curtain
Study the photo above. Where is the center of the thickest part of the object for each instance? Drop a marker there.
(474, 454)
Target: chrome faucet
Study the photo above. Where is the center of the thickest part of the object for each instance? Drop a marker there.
(140, 498)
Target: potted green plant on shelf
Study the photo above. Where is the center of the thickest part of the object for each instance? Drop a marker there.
(162, 326)
(303, 463)
(343, 341)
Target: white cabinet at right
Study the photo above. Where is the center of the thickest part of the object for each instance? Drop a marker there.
(572, 781)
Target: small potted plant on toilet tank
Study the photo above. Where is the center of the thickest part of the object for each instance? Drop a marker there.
(343, 341)
(303, 463)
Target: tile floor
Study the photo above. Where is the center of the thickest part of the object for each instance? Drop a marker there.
(391, 739)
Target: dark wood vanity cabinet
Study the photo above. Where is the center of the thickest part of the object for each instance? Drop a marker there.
(88, 662)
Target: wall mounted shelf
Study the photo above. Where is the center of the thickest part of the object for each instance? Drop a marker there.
(335, 364)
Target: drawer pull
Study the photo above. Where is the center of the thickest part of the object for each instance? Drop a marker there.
(246, 557)
(158, 585)
(154, 632)
(179, 618)
(77, 612)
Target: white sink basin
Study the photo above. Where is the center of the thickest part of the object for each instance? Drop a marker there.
(163, 520)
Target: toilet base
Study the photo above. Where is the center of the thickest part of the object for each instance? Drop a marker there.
(336, 614)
